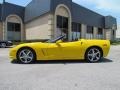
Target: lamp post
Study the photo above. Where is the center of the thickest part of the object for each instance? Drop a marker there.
(3, 1)
(2, 11)
(2, 14)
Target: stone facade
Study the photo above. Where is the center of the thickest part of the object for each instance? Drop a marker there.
(39, 28)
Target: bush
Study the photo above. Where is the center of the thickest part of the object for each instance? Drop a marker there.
(115, 42)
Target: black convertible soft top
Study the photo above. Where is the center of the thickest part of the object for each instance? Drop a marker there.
(56, 39)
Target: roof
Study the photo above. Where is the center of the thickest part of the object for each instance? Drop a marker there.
(79, 14)
(86, 16)
(12, 9)
(36, 8)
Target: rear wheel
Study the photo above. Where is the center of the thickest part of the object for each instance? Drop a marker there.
(93, 55)
(26, 56)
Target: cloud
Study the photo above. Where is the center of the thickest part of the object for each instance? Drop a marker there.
(108, 5)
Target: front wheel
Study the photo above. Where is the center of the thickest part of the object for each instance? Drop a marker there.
(93, 55)
(26, 56)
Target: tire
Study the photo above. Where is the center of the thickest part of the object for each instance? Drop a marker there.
(26, 56)
(93, 55)
(3, 45)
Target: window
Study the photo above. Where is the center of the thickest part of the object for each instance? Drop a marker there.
(113, 33)
(100, 31)
(89, 29)
(17, 27)
(14, 27)
(89, 34)
(10, 27)
(62, 26)
(76, 31)
(59, 22)
(65, 22)
(62, 22)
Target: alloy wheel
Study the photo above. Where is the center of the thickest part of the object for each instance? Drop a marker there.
(94, 55)
(26, 56)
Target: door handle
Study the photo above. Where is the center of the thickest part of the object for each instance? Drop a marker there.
(81, 43)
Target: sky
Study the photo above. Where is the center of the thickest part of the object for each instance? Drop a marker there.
(103, 7)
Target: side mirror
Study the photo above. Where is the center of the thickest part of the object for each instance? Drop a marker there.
(58, 42)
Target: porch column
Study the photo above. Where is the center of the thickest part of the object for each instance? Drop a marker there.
(83, 31)
(95, 32)
(108, 34)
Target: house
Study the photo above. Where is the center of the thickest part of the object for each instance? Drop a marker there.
(47, 19)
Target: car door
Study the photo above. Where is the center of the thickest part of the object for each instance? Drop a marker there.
(54, 51)
(65, 50)
(71, 50)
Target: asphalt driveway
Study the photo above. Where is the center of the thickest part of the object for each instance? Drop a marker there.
(62, 75)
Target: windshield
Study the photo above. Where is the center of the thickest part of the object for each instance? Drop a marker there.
(56, 39)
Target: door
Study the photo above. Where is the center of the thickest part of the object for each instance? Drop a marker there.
(65, 50)
(71, 50)
(54, 51)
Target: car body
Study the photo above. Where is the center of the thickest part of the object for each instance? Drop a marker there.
(4, 44)
(90, 50)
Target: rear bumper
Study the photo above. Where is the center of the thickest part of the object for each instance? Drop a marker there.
(106, 49)
(106, 52)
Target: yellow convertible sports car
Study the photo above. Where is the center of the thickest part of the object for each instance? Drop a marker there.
(90, 50)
